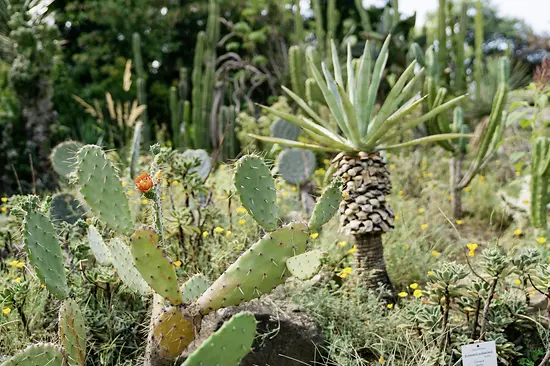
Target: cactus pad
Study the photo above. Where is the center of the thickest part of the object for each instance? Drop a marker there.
(258, 270)
(65, 207)
(63, 157)
(173, 331)
(228, 345)
(157, 269)
(285, 130)
(39, 354)
(72, 333)
(194, 288)
(45, 253)
(204, 159)
(124, 264)
(256, 187)
(102, 189)
(305, 265)
(327, 205)
(98, 247)
(296, 165)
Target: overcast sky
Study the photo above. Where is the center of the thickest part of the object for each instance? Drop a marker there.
(535, 12)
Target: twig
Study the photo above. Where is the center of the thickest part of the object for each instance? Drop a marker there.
(33, 177)
(17, 179)
(486, 309)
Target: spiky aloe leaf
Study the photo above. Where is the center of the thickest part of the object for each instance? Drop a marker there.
(256, 187)
(228, 345)
(257, 271)
(327, 205)
(44, 251)
(155, 267)
(305, 265)
(102, 189)
(72, 333)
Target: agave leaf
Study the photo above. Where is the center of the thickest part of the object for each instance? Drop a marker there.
(351, 117)
(351, 76)
(423, 140)
(363, 82)
(328, 142)
(376, 77)
(302, 103)
(291, 143)
(336, 63)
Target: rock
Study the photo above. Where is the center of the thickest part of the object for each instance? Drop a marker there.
(286, 336)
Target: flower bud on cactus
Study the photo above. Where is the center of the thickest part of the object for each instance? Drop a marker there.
(144, 183)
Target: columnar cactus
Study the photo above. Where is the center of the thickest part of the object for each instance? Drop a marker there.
(141, 85)
(540, 179)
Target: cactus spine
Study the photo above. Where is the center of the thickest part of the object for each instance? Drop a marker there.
(141, 84)
(478, 65)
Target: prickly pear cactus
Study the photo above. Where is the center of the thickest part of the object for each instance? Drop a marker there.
(72, 333)
(256, 187)
(44, 251)
(98, 246)
(63, 157)
(124, 264)
(156, 269)
(205, 161)
(327, 205)
(194, 288)
(65, 207)
(172, 332)
(228, 345)
(257, 271)
(40, 354)
(285, 130)
(305, 265)
(296, 165)
(102, 189)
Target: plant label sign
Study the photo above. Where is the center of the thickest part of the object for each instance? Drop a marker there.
(479, 354)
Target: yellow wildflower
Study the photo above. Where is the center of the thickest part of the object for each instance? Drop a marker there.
(175, 183)
(130, 191)
(353, 250)
(459, 222)
(177, 264)
(320, 171)
(20, 264)
(421, 210)
(144, 201)
(414, 286)
(396, 217)
(205, 234)
(326, 161)
(314, 236)
(481, 178)
(347, 270)
(517, 232)
(400, 193)
(241, 222)
(343, 275)
(417, 293)
(430, 175)
(435, 253)
(406, 246)
(6, 311)
(467, 189)
(18, 280)
(541, 240)
(392, 166)
(218, 229)
(449, 198)
(44, 286)
(278, 200)
(424, 226)
(390, 306)
(228, 233)
(388, 155)
(517, 282)
(472, 246)
(381, 360)
(4, 199)
(403, 294)
(13, 263)
(518, 173)
(242, 210)
(526, 202)
(430, 273)
(293, 189)
(4, 208)
(471, 253)
(285, 193)
(342, 243)
(124, 184)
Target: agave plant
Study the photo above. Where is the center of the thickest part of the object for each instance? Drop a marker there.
(363, 131)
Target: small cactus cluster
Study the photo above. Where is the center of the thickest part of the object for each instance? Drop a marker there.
(72, 338)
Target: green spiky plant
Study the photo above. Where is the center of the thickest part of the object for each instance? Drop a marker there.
(362, 133)
(141, 84)
(144, 265)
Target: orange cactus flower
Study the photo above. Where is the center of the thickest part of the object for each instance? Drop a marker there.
(144, 182)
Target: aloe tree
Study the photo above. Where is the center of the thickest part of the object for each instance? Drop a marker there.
(362, 132)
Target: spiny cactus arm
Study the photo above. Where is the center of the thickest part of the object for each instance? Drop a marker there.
(460, 72)
(442, 32)
(296, 165)
(124, 265)
(256, 187)
(228, 345)
(364, 15)
(136, 49)
(257, 271)
(297, 144)
(478, 65)
(327, 205)
(63, 157)
(305, 265)
(175, 116)
(319, 28)
(98, 247)
(295, 60)
(38, 354)
(298, 23)
(156, 269)
(102, 189)
(196, 93)
(72, 333)
(44, 251)
(194, 288)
